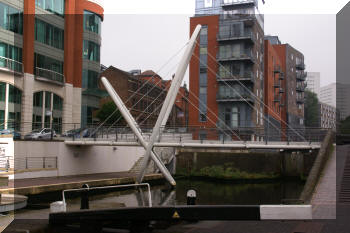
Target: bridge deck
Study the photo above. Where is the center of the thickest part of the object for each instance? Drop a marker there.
(203, 144)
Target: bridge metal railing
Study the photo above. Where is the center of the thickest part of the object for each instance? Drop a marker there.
(223, 133)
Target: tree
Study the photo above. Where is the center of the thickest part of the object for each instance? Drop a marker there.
(106, 111)
(344, 126)
(311, 109)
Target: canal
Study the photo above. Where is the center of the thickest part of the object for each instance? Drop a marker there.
(208, 193)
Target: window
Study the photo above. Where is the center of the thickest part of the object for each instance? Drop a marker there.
(92, 22)
(54, 6)
(49, 34)
(48, 63)
(91, 51)
(11, 19)
(12, 52)
(90, 79)
(203, 50)
(208, 3)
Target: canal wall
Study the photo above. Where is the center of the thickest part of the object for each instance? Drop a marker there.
(75, 160)
(244, 164)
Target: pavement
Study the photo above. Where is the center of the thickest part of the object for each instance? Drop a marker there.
(325, 196)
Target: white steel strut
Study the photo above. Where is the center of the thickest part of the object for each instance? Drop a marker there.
(134, 126)
(169, 100)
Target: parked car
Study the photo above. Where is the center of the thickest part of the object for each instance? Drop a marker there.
(44, 133)
(75, 132)
(15, 134)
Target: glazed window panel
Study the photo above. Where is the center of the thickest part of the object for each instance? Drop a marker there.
(48, 63)
(15, 95)
(11, 18)
(48, 34)
(91, 51)
(90, 79)
(92, 22)
(54, 6)
(2, 92)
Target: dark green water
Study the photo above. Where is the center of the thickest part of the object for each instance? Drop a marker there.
(216, 193)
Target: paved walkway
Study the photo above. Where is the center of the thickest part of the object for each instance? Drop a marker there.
(21, 183)
(324, 199)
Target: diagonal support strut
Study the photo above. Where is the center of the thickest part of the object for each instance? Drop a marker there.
(134, 126)
(169, 100)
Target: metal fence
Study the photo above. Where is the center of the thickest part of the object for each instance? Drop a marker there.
(8, 163)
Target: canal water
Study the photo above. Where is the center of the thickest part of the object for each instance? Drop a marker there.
(208, 193)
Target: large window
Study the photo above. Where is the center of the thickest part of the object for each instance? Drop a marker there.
(48, 34)
(90, 79)
(10, 57)
(91, 51)
(54, 6)
(52, 112)
(12, 105)
(11, 19)
(48, 63)
(92, 22)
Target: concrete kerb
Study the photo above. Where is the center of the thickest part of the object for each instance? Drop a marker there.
(314, 176)
(38, 189)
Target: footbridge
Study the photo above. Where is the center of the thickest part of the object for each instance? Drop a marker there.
(158, 136)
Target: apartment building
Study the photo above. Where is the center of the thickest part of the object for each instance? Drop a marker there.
(337, 95)
(226, 71)
(292, 84)
(49, 55)
(327, 116)
(313, 82)
(143, 94)
(274, 89)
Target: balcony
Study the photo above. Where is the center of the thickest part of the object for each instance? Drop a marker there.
(277, 98)
(281, 90)
(300, 66)
(247, 76)
(301, 87)
(301, 76)
(225, 3)
(236, 36)
(10, 65)
(300, 100)
(277, 84)
(244, 56)
(277, 69)
(49, 76)
(234, 98)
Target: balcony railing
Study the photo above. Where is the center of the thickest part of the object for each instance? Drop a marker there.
(10, 65)
(300, 100)
(247, 76)
(276, 84)
(234, 98)
(236, 36)
(300, 66)
(281, 90)
(277, 98)
(277, 69)
(49, 75)
(237, 2)
(301, 87)
(246, 55)
(301, 76)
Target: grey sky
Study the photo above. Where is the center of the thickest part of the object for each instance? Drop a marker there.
(140, 41)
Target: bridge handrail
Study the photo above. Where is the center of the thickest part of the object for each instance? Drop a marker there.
(109, 187)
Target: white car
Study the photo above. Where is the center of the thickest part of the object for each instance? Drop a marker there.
(44, 133)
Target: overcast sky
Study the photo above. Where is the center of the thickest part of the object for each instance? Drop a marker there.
(141, 34)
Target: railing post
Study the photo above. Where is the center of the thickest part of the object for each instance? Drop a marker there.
(44, 163)
(26, 162)
(56, 162)
(74, 133)
(116, 134)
